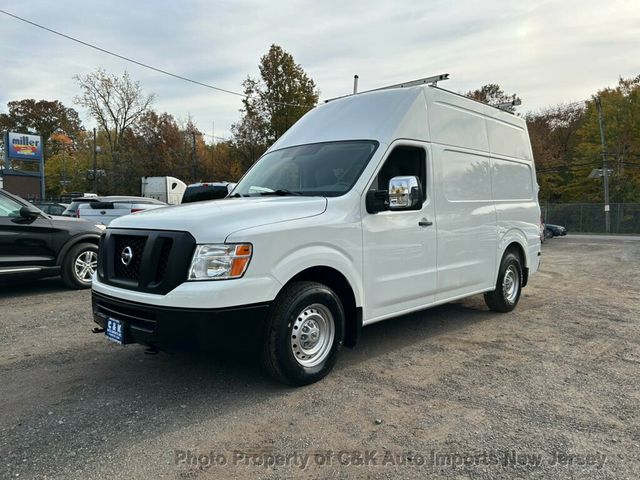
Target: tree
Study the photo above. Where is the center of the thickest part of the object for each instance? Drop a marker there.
(621, 120)
(116, 103)
(158, 144)
(492, 94)
(282, 95)
(221, 163)
(66, 170)
(553, 133)
(42, 117)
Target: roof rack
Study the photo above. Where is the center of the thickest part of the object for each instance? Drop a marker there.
(433, 80)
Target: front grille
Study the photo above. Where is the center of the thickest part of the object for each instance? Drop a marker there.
(159, 259)
(136, 244)
(163, 260)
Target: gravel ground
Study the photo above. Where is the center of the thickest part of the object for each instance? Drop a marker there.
(548, 391)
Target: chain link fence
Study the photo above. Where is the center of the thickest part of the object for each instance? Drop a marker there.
(589, 217)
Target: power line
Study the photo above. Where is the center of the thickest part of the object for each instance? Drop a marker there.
(561, 168)
(122, 57)
(141, 64)
(566, 167)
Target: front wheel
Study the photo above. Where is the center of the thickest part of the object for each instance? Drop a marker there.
(79, 265)
(508, 287)
(303, 334)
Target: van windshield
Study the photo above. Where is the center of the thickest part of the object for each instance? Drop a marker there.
(319, 169)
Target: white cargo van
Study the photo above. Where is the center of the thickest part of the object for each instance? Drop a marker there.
(370, 207)
(166, 189)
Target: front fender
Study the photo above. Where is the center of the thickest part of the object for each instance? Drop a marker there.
(319, 255)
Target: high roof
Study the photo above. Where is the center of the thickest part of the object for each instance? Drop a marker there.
(423, 113)
(380, 115)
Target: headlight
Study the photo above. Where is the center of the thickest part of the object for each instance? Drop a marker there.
(220, 261)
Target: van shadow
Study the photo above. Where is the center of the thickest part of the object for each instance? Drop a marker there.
(166, 393)
(384, 337)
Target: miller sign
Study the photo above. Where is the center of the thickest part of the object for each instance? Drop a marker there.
(22, 146)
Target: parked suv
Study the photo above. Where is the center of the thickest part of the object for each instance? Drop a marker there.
(52, 208)
(199, 192)
(369, 207)
(34, 244)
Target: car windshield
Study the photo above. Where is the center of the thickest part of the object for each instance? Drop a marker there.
(320, 169)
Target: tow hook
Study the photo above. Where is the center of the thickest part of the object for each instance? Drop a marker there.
(97, 330)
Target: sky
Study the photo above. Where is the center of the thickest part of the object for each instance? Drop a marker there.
(548, 52)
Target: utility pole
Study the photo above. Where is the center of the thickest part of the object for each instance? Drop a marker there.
(95, 164)
(64, 168)
(605, 169)
(193, 155)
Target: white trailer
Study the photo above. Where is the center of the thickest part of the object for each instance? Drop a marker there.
(166, 189)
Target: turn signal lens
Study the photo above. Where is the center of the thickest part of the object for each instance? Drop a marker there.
(242, 250)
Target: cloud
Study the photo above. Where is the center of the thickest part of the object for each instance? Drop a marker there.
(547, 52)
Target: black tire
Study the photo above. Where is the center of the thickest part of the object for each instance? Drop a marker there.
(68, 272)
(292, 312)
(504, 299)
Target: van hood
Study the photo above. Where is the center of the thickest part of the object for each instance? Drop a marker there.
(213, 221)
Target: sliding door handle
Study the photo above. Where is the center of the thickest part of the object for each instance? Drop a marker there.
(425, 223)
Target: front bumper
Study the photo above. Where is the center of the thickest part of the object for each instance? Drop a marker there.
(166, 327)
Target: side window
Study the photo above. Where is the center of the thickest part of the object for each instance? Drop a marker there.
(403, 161)
(9, 208)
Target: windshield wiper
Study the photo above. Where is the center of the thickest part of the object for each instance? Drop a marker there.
(237, 195)
(283, 192)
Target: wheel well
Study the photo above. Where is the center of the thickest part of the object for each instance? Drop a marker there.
(337, 282)
(75, 241)
(516, 248)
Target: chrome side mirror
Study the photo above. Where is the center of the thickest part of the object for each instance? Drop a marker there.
(405, 193)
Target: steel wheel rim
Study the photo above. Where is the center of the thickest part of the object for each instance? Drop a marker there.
(312, 335)
(510, 284)
(85, 265)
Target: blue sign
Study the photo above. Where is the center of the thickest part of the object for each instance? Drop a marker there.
(22, 146)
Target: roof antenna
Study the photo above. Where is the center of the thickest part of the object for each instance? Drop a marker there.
(355, 84)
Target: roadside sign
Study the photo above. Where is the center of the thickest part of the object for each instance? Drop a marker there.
(23, 146)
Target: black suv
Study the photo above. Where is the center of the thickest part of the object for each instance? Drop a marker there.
(34, 244)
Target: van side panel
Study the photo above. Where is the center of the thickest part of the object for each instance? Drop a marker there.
(455, 123)
(515, 189)
(465, 214)
(466, 222)
(508, 136)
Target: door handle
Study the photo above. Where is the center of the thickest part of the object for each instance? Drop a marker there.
(425, 223)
